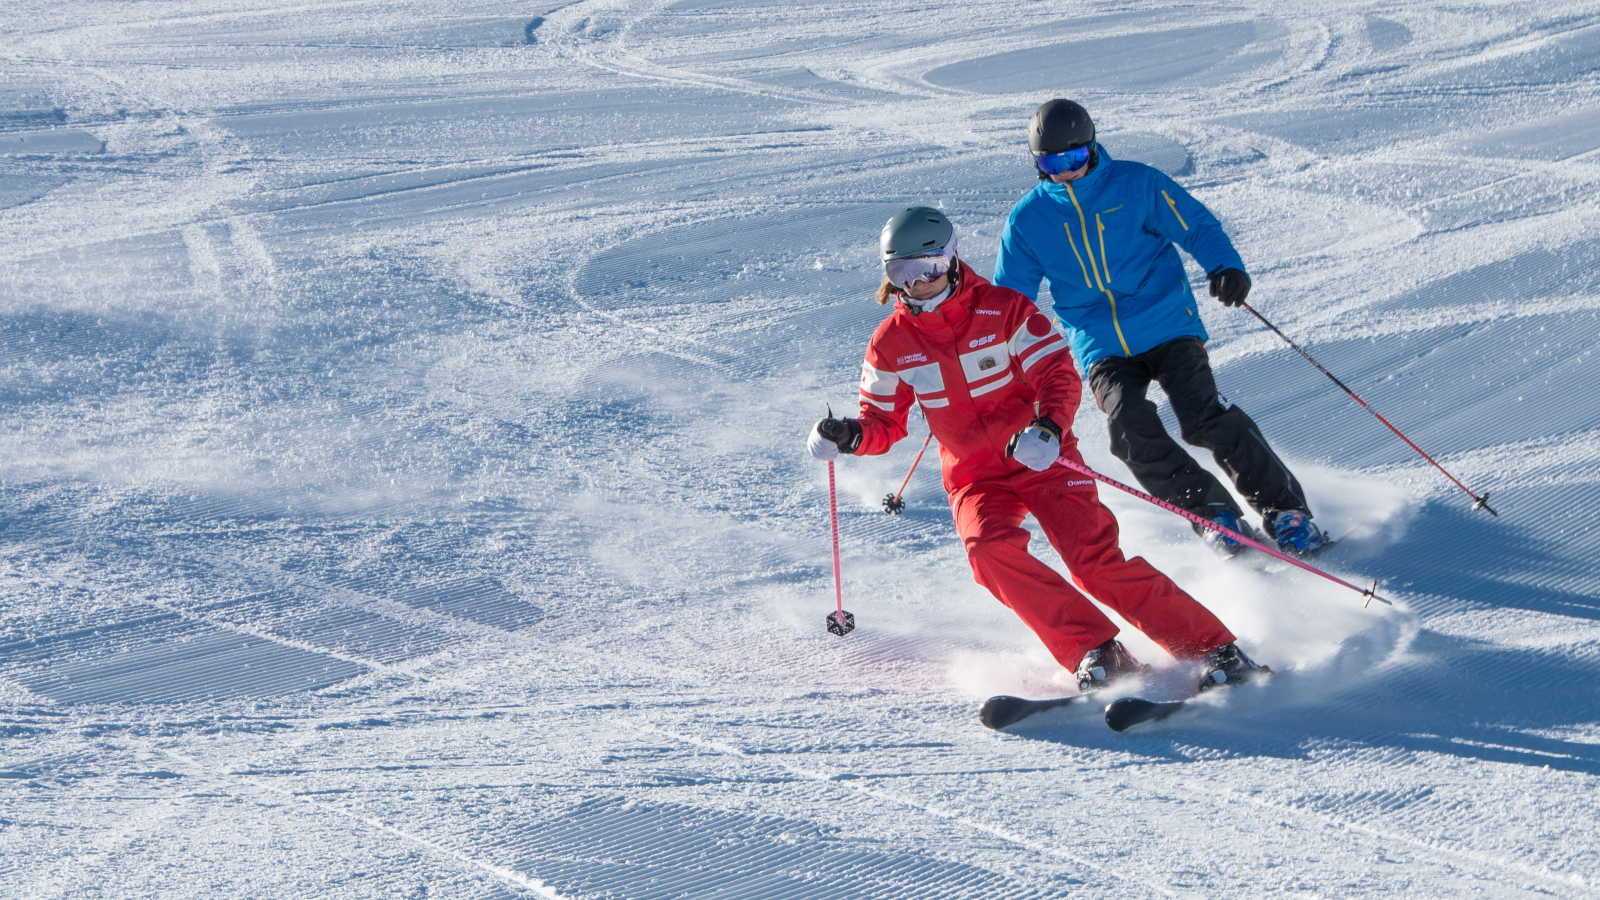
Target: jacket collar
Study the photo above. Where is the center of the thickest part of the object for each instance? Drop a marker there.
(954, 313)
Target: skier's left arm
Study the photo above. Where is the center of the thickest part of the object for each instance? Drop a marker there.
(1180, 218)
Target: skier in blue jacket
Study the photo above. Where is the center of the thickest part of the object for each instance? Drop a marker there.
(1101, 231)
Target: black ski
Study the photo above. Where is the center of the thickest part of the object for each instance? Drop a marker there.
(1130, 711)
(999, 712)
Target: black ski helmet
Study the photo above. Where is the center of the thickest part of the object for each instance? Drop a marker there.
(1058, 126)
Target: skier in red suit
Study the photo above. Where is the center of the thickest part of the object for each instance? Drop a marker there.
(997, 384)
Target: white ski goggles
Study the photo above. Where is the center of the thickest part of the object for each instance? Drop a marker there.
(903, 273)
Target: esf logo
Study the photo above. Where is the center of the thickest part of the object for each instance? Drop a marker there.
(981, 341)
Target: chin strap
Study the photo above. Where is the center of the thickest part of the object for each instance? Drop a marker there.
(915, 306)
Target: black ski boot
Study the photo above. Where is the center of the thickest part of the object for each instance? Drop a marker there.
(1228, 665)
(1106, 664)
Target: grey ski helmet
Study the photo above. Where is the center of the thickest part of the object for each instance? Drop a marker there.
(914, 232)
(1058, 126)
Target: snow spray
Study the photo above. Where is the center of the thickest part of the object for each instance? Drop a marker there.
(1368, 595)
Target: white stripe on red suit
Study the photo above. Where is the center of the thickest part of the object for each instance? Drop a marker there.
(977, 364)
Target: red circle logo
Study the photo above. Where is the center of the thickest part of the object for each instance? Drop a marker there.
(1038, 325)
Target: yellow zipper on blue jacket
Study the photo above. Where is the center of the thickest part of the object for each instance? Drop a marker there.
(1104, 285)
(1172, 203)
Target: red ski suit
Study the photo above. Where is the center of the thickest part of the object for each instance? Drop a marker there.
(978, 364)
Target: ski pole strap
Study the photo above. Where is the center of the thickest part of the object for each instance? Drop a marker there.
(1369, 594)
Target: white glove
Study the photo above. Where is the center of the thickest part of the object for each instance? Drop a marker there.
(820, 447)
(1035, 447)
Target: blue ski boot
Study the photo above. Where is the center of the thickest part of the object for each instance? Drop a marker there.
(1220, 544)
(1296, 533)
(1228, 665)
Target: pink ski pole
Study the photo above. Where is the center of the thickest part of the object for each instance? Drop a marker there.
(1368, 595)
(839, 621)
(892, 504)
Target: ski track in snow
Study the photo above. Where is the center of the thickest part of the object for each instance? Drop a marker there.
(402, 491)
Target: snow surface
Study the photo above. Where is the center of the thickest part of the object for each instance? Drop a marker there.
(402, 485)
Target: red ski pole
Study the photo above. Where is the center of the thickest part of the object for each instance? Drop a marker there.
(892, 504)
(1478, 502)
(1368, 595)
(839, 621)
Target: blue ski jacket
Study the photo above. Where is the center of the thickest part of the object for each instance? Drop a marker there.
(1104, 242)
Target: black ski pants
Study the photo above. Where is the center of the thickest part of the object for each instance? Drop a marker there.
(1166, 470)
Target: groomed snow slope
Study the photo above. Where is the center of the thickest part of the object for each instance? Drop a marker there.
(402, 490)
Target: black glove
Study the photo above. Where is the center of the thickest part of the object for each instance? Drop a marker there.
(844, 433)
(1229, 286)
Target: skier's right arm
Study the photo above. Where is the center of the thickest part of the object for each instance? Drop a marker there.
(1017, 267)
(886, 402)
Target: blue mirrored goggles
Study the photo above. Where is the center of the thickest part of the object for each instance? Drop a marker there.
(1065, 161)
(903, 273)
